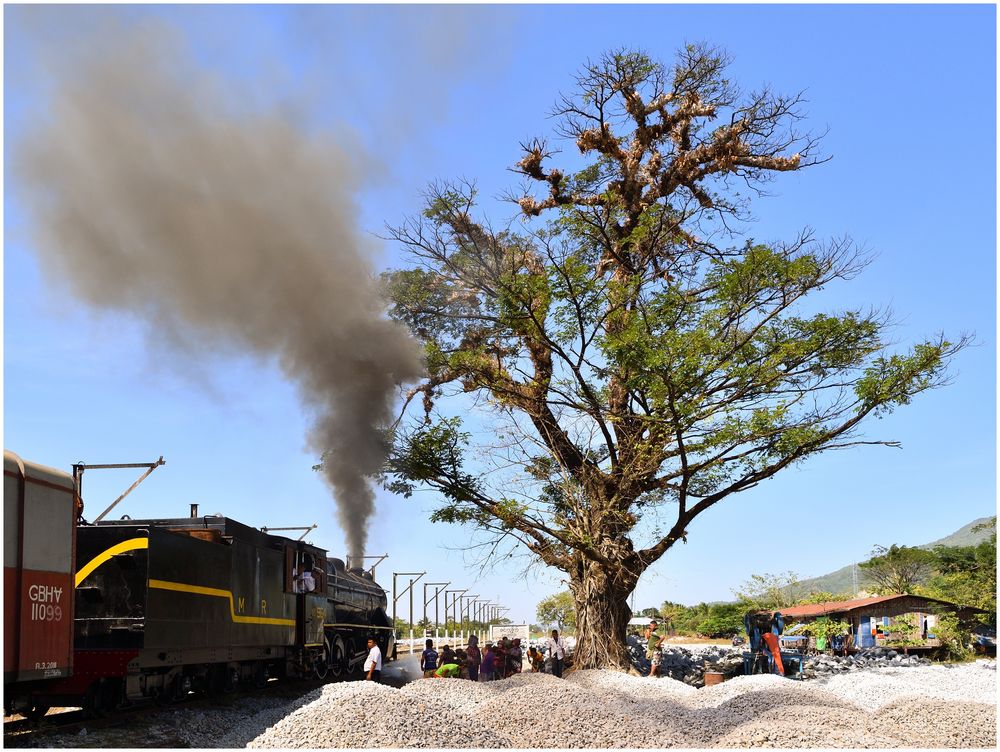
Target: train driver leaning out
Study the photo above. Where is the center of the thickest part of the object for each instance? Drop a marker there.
(305, 582)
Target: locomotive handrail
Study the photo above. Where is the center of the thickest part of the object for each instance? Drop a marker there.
(79, 467)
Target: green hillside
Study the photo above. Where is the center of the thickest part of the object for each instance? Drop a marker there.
(841, 581)
(963, 536)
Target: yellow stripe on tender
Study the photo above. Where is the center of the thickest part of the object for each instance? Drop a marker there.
(218, 593)
(132, 544)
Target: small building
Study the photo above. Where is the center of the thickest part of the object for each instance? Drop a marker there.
(640, 621)
(872, 619)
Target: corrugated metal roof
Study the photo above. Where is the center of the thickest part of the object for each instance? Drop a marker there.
(830, 607)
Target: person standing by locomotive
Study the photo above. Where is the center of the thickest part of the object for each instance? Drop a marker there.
(373, 663)
(429, 659)
(475, 657)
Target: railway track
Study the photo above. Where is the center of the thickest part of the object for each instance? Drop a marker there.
(25, 732)
(126, 727)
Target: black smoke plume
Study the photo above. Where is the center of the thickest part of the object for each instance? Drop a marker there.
(151, 189)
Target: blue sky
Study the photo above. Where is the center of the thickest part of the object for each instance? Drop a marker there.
(908, 94)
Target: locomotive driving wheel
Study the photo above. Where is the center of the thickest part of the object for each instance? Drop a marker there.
(321, 661)
(338, 658)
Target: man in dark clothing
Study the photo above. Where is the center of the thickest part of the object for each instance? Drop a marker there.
(429, 659)
(447, 656)
(489, 663)
(475, 657)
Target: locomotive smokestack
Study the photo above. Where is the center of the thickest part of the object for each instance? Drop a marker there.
(194, 510)
(151, 190)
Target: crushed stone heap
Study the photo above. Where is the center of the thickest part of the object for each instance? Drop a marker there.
(889, 707)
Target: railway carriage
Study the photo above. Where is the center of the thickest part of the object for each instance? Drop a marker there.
(39, 535)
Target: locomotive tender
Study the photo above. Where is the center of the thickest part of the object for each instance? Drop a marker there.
(164, 606)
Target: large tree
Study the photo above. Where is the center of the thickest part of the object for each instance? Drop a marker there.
(967, 575)
(897, 569)
(558, 609)
(631, 359)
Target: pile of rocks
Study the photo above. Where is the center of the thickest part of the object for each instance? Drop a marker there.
(606, 709)
(365, 715)
(689, 664)
(825, 665)
(924, 706)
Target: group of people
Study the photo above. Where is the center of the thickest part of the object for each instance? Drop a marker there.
(494, 661)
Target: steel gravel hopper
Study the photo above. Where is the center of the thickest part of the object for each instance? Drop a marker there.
(764, 630)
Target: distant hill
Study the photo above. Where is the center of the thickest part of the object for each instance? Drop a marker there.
(842, 580)
(963, 536)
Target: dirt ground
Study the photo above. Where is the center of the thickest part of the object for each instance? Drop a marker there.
(681, 640)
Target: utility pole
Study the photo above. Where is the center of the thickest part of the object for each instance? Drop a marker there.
(437, 591)
(464, 607)
(395, 597)
(455, 594)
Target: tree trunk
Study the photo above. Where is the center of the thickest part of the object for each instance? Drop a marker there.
(602, 614)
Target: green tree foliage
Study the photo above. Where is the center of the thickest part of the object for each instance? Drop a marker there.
(705, 619)
(768, 592)
(558, 609)
(634, 354)
(673, 615)
(650, 613)
(723, 620)
(954, 636)
(818, 596)
(825, 628)
(967, 575)
(897, 569)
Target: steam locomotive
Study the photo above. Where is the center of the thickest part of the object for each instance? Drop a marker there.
(101, 615)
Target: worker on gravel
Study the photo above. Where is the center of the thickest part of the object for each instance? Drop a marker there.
(489, 663)
(429, 659)
(653, 642)
(448, 671)
(474, 657)
(773, 646)
(447, 656)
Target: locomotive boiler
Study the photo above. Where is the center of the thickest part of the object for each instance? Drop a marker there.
(165, 606)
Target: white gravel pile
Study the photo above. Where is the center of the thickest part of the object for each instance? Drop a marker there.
(872, 689)
(936, 707)
(538, 710)
(365, 715)
(462, 696)
(629, 685)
